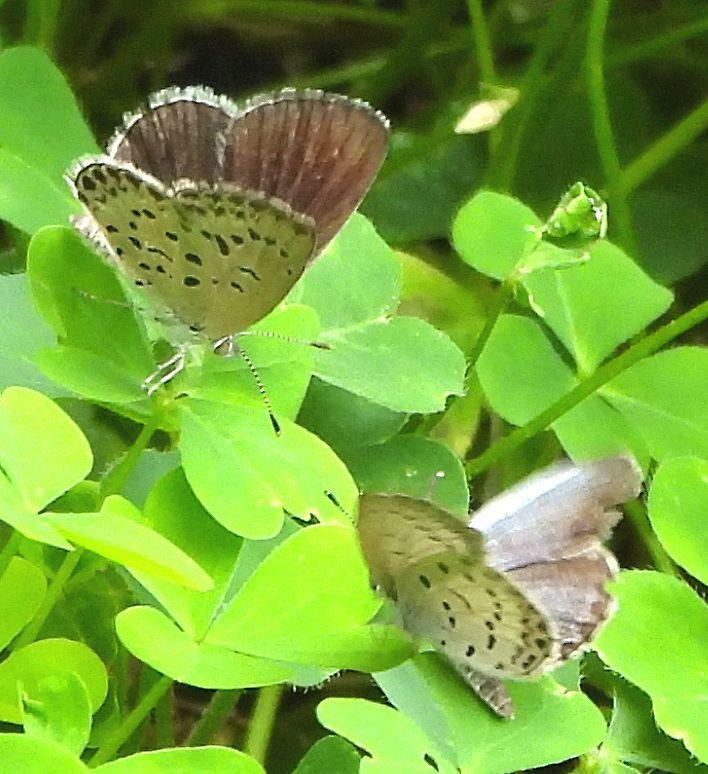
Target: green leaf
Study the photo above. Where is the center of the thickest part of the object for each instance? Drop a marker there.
(58, 710)
(522, 374)
(356, 280)
(117, 534)
(174, 512)
(664, 397)
(401, 363)
(656, 639)
(34, 429)
(595, 306)
(324, 564)
(19, 752)
(346, 421)
(22, 333)
(81, 297)
(22, 588)
(44, 658)
(148, 470)
(151, 637)
(246, 475)
(194, 760)
(422, 184)
(395, 742)
(415, 466)
(36, 102)
(551, 723)
(492, 232)
(634, 738)
(33, 154)
(328, 755)
(678, 506)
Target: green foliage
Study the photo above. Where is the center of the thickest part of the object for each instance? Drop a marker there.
(178, 538)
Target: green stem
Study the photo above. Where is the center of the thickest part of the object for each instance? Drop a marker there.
(9, 550)
(260, 729)
(114, 481)
(41, 23)
(213, 717)
(638, 516)
(292, 10)
(663, 150)
(56, 587)
(649, 48)
(482, 43)
(602, 124)
(604, 374)
(116, 739)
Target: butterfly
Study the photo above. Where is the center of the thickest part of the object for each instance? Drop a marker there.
(517, 590)
(212, 212)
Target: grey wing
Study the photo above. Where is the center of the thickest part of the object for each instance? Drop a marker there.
(176, 135)
(559, 512)
(395, 531)
(545, 535)
(318, 152)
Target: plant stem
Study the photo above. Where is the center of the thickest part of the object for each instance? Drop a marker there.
(213, 717)
(602, 124)
(663, 150)
(647, 48)
(604, 374)
(41, 23)
(114, 481)
(482, 43)
(260, 728)
(662, 561)
(292, 10)
(115, 740)
(56, 587)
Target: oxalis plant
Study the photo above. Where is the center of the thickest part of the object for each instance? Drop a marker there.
(178, 540)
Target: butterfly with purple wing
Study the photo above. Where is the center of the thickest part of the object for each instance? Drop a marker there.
(211, 212)
(517, 590)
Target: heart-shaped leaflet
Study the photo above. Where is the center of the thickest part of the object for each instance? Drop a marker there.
(516, 591)
(213, 211)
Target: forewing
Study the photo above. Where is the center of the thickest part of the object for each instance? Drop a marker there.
(217, 259)
(177, 135)
(559, 512)
(396, 531)
(318, 152)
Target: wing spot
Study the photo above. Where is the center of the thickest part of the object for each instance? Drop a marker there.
(284, 253)
(470, 651)
(424, 580)
(489, 625)
(144, 266)
(191, 282)
(133, 225)
(255, 236)
(171, 235)
(541, 643)
(452, 621)
(237, 239)
(221, 243)
(270, 241)
(491, 592)
(491, 642)
(443, 567)
(193, 258)
(98, 175)
(160, 269)
(236, 286)
(88, 183)
(137, 213)
(111, 229)
(149, 214)
(446, 605)
(249, 271)
(135, 242)
(499, 666)
(497, 616)
(119, 251)
(206, 234)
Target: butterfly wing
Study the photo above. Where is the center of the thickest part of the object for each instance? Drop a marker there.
(318, 152)
(217, 258)
(176, 135)
(545, 534)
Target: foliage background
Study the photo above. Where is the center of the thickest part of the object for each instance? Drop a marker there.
(618, 108)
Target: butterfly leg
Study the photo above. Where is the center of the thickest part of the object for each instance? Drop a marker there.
(492, 692)
(165, 372)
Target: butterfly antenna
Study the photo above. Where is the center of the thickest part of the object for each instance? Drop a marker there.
(330, 496)
(284, 337)
(100, 299)
(261, 388)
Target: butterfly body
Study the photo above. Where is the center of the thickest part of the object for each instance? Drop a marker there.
(516, 591)
(212, 212)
